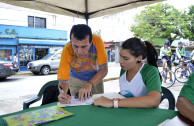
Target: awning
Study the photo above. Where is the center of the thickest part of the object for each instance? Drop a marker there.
(108, 45)
(8, 36)
(42, 42)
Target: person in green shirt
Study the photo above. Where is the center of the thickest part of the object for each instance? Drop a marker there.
(139, 83)
(185, 102)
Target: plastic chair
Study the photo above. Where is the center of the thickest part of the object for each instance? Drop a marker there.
(49, 92)
(167, 94)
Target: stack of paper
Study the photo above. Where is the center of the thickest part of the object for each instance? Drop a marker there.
(77, 102)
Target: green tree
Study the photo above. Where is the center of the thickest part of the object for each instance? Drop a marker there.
(159, 21)
(191, 25)
(98, 32)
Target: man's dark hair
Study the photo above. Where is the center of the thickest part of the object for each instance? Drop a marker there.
(81, 31)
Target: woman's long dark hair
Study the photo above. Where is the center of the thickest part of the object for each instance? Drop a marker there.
(137, 48)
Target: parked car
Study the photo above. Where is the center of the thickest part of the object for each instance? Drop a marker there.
(48, 63)
(7, 68)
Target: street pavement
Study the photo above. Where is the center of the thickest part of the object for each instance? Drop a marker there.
(111, 84)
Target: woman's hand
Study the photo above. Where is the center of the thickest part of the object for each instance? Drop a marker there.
(104, 102)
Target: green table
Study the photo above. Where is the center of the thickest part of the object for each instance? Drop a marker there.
(99, 116)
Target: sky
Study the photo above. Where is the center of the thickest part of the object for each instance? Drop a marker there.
(180, 4)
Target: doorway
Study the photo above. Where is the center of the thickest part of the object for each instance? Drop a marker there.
(40, 53)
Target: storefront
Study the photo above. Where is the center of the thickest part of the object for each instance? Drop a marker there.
(31, 49)
(110, 51)
(8, 46)
(30, 43)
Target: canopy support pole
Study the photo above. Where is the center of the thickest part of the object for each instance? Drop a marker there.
(86, 15)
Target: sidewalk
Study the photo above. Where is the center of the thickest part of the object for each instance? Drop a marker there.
(111, 79)
(113, 76)
(23, 73)
(113, 72)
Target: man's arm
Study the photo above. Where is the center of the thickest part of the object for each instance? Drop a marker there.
(177, 53)
(161, 52)
(169, 50)
(185, 107)
(63, 96)
(86, 89)
(100, 75)
(64, 85)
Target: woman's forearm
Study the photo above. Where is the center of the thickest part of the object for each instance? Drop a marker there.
(186, 108)
(151, 100)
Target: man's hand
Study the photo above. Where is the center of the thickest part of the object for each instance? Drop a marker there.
(168, 52)
(64, 98)
(63, 89)
(104, 102)
(84, 92)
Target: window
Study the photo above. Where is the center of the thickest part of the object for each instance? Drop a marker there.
(6, 54)
(57, 56)
(36, 22)
(25, 56)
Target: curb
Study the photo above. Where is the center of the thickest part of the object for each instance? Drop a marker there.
(104, 80)
(22, 74)
(109, 79)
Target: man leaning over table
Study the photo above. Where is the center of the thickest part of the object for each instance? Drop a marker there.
(83, 64)
(185, 102)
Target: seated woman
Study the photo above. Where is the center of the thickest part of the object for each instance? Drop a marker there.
(140, 83)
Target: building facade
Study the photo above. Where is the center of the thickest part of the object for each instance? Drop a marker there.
(31, 33)
(29, 43)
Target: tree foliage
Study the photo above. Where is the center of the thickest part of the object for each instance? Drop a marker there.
(191, 25)
(159, 21)
(98, 32)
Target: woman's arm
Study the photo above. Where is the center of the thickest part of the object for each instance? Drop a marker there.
(185, 107)
(151, 100)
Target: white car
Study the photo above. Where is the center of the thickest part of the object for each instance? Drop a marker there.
(48, 63)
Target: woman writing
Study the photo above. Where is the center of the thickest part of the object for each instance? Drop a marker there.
(139, 83)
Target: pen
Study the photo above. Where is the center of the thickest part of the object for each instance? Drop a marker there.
(60, 88)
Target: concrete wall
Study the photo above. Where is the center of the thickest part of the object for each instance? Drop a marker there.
(13, 15)
(117, 51)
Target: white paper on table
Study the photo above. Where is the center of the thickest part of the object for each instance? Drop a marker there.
(109, 95)
(76, 102)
